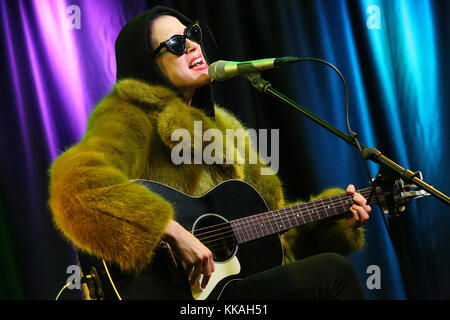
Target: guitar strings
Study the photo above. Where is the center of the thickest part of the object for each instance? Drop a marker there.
(250, 228)
(241, 221)
(274, 211)
(227, 239)
(279, 210)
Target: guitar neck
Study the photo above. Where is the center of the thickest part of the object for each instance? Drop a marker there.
(277, 221)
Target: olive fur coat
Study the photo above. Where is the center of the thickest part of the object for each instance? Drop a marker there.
(128, 136)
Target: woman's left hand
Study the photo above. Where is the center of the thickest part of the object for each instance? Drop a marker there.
(360, 210)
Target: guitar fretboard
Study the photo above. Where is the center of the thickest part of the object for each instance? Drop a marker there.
(264, 224)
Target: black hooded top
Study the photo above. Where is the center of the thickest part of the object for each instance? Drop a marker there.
(133, 48)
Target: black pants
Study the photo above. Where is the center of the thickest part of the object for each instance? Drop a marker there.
(323, 276)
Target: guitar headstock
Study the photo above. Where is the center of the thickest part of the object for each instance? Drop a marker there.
(405, 193)
(401, 194)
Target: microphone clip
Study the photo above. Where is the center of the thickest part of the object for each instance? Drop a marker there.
(259, 83)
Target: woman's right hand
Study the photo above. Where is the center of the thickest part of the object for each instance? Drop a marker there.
(197, 257)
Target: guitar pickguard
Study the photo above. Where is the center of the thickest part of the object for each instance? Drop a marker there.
(222, 270)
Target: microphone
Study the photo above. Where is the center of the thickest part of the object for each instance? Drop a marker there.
(223, 70)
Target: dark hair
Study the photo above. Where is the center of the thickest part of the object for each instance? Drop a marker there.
(133, 47)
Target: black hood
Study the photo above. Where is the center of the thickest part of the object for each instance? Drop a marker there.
(133, 60)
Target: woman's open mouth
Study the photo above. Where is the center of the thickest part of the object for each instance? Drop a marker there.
(198, 63)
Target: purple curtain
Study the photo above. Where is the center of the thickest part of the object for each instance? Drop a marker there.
(58, 61)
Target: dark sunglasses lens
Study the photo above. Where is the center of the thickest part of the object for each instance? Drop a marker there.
(194, 33)
(177, 45)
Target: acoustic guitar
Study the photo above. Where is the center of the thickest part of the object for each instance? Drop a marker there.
(234, 222)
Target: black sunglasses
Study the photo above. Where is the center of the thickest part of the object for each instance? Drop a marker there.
(177, 43)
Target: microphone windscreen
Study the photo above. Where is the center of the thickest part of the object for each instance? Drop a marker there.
(216, 70)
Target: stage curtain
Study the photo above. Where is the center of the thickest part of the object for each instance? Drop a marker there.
(57, 60)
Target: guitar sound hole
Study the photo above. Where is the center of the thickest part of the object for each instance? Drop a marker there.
(216, 234)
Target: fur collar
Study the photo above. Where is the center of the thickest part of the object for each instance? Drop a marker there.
(147, 95)
(171, 112)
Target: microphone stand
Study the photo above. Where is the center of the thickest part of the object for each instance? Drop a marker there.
(389, 173)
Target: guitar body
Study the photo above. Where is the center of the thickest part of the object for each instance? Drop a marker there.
(165, 278)
(233, 221)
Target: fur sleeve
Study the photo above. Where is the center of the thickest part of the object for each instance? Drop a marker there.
(331, 235)
(92, 201)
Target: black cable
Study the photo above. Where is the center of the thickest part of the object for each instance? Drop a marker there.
(347, 116)
(347, 108)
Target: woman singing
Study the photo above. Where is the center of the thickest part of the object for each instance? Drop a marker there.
(163, 85)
